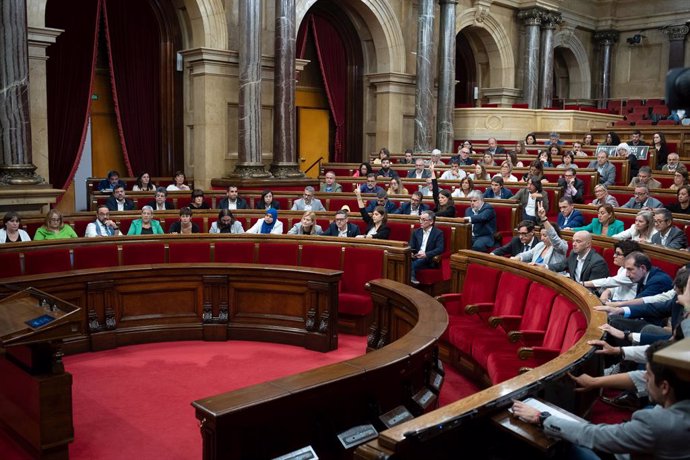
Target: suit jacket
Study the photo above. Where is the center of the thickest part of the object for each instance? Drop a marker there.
(579, 186)
(337, 188)
(316, 205)
(111, 203)
(607, 173)
(505, 193)
(523, 195)
(105, 186)
(498, 150)
(434, 245)
(655, 312)
(594, 267)
(352, 230)
(384, 231)
(483, 222)
(676, 238)
(574, 220)
(168, 204)
(514, 247)
(651, 202)
(405, 208)
(390, 206)
(241, 203)
(660, 432)
(657, 282)
(425, 173)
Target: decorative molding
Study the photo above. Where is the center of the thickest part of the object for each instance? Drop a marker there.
(606, 37)
(676, 33)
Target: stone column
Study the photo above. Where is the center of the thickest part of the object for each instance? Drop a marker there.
(549, 22)
(249, 151)
(446, 78)
(16, 166)
(424, 97)
(676, 37)
(606, 39)
(530, 83)
(284, 145)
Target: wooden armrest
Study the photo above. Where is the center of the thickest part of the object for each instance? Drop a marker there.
(510, 322)
(522, 370)
(495, 321)
(478, 308)
(525, 353)
(443, 298)
(514, 336)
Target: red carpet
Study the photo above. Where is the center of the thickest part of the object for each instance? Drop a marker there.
(134, 402)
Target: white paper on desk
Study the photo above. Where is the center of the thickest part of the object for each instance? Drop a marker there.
(541, 407)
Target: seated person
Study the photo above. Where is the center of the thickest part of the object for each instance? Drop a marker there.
(381, 200)
(54, 228)
(668, 235)
(330, 185)
(523, 242)
(619, 287)
(567, 161)
(463, 157)
(232, 200)
(603, 196)
(103, 225)
(143, 183)
(370, 185)
(383, 153)
(341, 227)
(641, 230)
(572, 186)
(483, 219)
(414, 206)
(507, 172)
(623, 151)
(178, 182)
(494, 148)
(636, 139)
(607, 172)
(568, 216)
(682, 204)
(396, 187)
(407, 159)
(445, 207)
(551, 251)
(426, 243)
(198, 201)
(454, 173)
(584, 263)
(113, 180)
(554, 139)
(308, 202)
(226, 223)
(266, 201)
(306, 226)
(11, 233)
(604, 224)
(577, 149)
(376, 223)
(680, 178)
(419, 172)
(642, 200)
(528, 198)
(673, 163)
(146, 225)
(435, 158)
(497, 190)
(269, 224)
(160, 201)
(118, 201)
(644, 177)
(386, 171)
(184, 226)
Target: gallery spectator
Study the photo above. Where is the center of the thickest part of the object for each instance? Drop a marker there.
(112, 180)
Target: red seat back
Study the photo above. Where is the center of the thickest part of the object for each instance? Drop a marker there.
(10, 264)
(318, 256)
(235, 252)
(47, 261)
(511, 294)
(479, 285)
(95, 256)
(360, 265)
(577, 325)
(561, 311)
(277, 254)
(537, 308)
(189, 252)
(143, 253)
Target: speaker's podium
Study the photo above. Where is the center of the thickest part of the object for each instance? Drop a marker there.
(35, 390)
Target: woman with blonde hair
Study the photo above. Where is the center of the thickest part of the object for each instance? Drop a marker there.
(396, 187)
(507, 172)
(54, 228)
(641, 231)
(306, 226)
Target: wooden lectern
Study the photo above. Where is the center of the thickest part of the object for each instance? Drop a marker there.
(35, 390)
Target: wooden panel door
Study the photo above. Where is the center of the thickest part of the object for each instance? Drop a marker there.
(313, 135)
(105, 142)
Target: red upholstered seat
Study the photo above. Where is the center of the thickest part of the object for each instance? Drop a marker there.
(124, 224)
(10, 264)
(278, 254)
(360, 265)
(143, 253)
(400, 231)
(95, 256)
(47, 261)
(337, 203)
(321, 256)
(80, 226)
(189, 252)
(235, 252)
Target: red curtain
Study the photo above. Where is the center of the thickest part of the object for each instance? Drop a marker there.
(133, 39)
(70, 73)
(333, 64)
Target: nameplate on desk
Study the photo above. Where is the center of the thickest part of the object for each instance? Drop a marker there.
(39, 321)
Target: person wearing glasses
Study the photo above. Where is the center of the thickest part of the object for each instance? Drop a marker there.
(54, 228)
(667, 234)
(341, 227)
(524, 241)
(642, 200)
(413, 207)
(426, 243)
(308, 202)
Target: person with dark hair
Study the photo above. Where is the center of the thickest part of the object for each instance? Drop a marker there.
(483, 219)
(644, 177)
(370, 185)
(184, 226)
(341, 227)
(363, 170)
(11, 233)
(386, 171)
(636, 139)
(463, 157)
(650, 280)
(454, 173)
(160, 201)
(529, 196)
(619, 287)
(659, 144)
(667, 234)
(604, 224)
(413, 207)
(267, 201)
(118, 201)
(588, 139)
(233, 201)
(198, 201)
(407, 159)
(178, 182)
(523, 242)
(419, 171)
(536, 170)
(546, 155)
(143, 183)
(425, 244)
(531, 139)
(568, 215)
(226, 223)
(382, 155)
(682, 204)
(112, 181)
(660, 432)
(466, 186)
(445, 207)
(377, 227)
(572, 186)
(567, 161)
(551, 251)
(612, 138)
(381, 200)
(497, 190)
(103, 225)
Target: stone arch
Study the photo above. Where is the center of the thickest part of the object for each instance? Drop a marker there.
(577, 61)
(382, 24)
(207, 23)
(496, 44)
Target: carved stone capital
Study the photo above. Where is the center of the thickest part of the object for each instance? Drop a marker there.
(531, 16)
(551, 19)
(676, 33)
(606, 37)
(19, 175)
(286, 171)
(250, 171)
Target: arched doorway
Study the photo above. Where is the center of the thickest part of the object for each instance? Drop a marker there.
(465, 72)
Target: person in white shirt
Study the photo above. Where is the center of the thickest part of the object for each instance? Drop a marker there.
(11, 233)
(269, 224)
(308, 202)
(454, 173)
(103, 225)
(178, 182)
(619, 287)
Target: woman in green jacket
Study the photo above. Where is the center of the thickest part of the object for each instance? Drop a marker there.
(54, 228)
(604, 224)
(147, 225)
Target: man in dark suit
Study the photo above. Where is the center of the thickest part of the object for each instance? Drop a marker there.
(569, 217)
(571, 186)
(584, 263)
(419, 172)
(341, 226)
(523, 242)
(426, 243)
(109, 184)
(233, 200)
(118, 201)
(414, 206)
(160, 201)
(668, 235)
(494, 148)
(483, 219)
(382, 200)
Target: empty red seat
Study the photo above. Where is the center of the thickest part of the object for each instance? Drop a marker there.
(47, 261)
(189, 252)
(143, 253)
(278, 253)
(360, 265)
(322, 256)
(95, 256)
(235, 252)
(10, 264)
